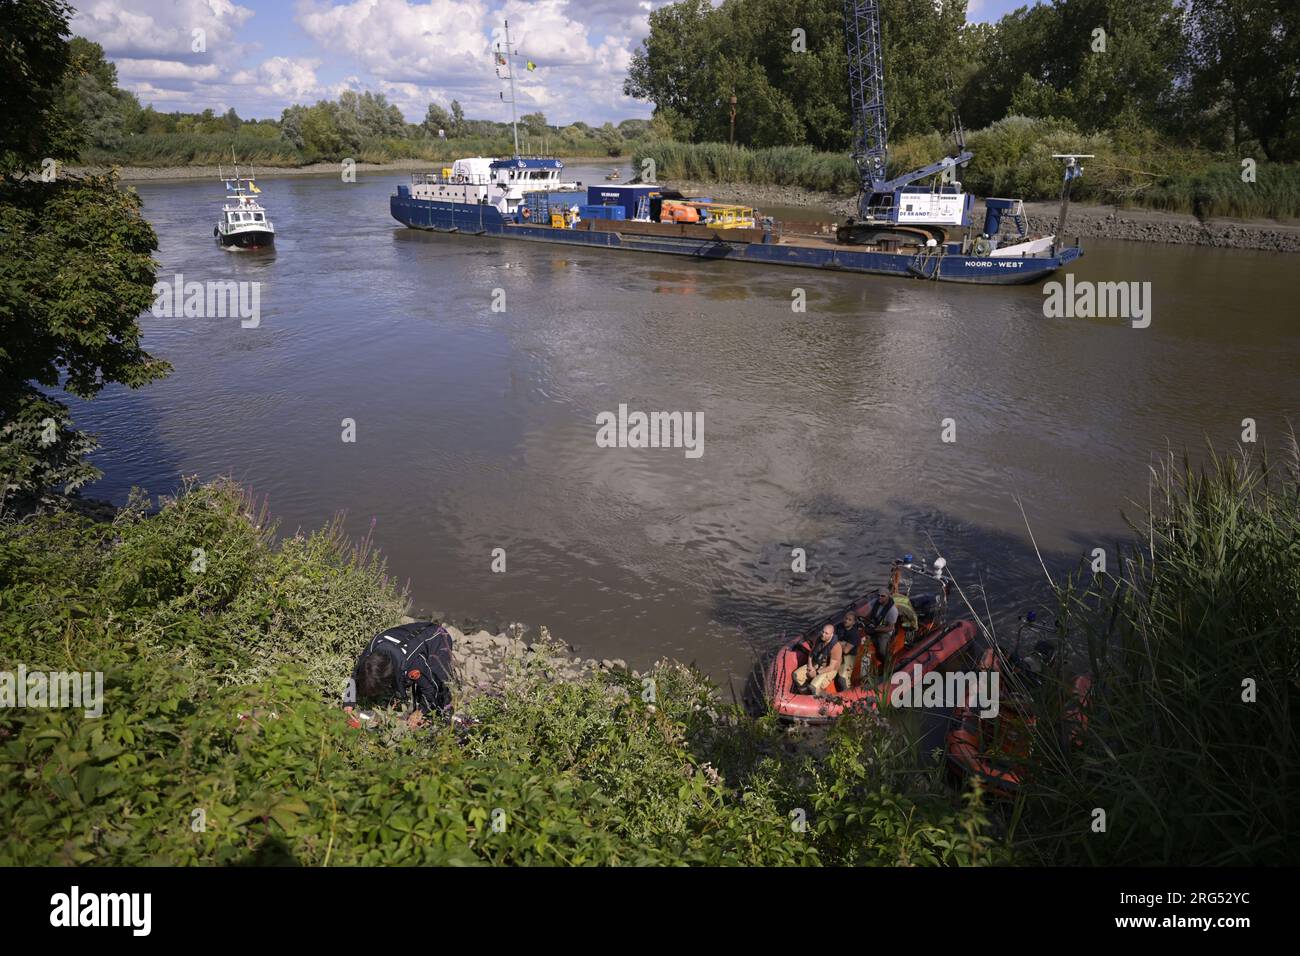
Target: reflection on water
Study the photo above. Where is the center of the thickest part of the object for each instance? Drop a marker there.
(476, 429)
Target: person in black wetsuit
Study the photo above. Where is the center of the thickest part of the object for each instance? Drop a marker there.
(411, 662)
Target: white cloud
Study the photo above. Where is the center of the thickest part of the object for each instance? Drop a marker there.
(160, 29)
(394, 39)
(133, 70)
(442, 50)
(290, 79)
(414, 51)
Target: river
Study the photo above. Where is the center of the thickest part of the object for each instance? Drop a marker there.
(823, 429)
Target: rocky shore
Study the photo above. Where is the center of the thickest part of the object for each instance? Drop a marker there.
(1085, 221)
(483, 660)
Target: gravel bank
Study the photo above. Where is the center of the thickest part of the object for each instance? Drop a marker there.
(1085, 221)
(482, 660)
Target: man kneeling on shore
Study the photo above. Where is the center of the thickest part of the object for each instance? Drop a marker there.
(411, 662)
(824, 660)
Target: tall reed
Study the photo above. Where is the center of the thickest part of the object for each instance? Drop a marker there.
(1189, 749)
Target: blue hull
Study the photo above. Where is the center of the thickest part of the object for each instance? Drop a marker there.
(949, 266)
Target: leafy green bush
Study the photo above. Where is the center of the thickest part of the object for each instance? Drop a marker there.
(221, 739)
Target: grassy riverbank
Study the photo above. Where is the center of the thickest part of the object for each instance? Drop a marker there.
(225, 648)
(179, 150)
(1013, 157)
(140, 174)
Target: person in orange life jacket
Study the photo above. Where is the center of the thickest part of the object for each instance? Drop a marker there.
(824, 660)
(410, 662)
(881, 623)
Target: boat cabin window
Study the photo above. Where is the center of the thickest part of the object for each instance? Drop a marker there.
(257, 216)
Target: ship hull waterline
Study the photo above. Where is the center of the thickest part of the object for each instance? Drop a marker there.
(247, 240)
(485, 221)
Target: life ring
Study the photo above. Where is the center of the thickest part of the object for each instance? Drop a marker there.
(526, 213)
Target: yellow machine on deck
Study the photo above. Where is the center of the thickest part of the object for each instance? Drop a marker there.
(726, 216)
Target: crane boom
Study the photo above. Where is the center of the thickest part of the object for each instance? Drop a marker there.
(866, 90)
(894, 201)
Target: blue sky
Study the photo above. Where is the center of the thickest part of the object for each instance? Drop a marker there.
(260, 56)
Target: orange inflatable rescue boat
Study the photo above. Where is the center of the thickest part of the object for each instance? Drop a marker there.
(922, 637)
(997, 749)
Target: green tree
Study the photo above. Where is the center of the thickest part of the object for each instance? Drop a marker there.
(673, 66)
(435, 119)
(1096, 63)
(535, 125)
(611, 139)
(785, 62)
(91, 97)
(290, 124)
(457, 118)
(76, 269)
(1247, 54)
(35, 122)
(329, 131)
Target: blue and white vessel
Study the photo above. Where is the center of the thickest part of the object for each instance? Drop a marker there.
(916, 225)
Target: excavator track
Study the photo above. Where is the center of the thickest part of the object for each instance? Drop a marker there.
(869, 234)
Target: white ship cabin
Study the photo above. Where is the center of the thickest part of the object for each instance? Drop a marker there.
(496, 182)
(243, 215)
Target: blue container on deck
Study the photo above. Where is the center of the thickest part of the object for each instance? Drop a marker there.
(625, 197)
(602, 212)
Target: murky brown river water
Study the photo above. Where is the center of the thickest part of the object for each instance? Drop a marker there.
(822, 430)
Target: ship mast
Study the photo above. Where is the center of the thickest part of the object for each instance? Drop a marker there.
(510, 75)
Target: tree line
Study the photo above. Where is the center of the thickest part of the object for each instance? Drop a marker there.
(111, 117)
(1222, 75)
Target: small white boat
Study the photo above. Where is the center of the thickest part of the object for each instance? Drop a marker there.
(244, 222)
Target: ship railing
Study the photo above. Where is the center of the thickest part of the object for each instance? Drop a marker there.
(881, 213)
(438, 179)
